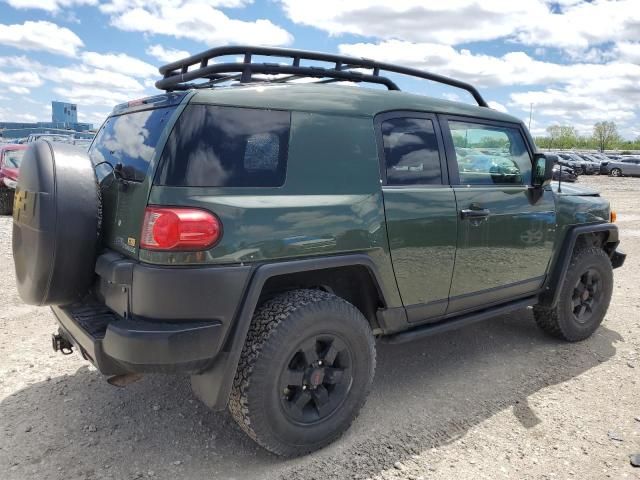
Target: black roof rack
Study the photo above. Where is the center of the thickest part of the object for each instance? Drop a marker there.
(177, 75)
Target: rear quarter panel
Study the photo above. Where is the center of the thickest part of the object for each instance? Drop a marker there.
(331, 202)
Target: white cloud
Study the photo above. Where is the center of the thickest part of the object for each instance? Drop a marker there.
(513, 68)
(166, 54)
(451, 22)
(580, 93)
(497, 106)
(80, 83)
(19, 90)
(40, 35)
(120, 62)
(91, 96)
(49, 5)
(628, 51)
(576, 25)
(194, 19)
(119, 6)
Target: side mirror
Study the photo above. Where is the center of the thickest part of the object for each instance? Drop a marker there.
(543, 168)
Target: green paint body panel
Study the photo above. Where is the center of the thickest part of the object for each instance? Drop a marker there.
(422, 229)
(333, 203)
(513, 244)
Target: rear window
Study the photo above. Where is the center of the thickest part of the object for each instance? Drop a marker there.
(129, 141)
(212, 146)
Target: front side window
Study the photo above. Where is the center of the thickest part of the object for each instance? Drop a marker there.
(212, 146)
(411, 152)
(490, 155)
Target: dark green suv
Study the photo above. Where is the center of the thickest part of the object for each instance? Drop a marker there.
(260, 236)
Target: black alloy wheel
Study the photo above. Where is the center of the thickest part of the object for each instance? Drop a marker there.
(317, 379)
(586, 295)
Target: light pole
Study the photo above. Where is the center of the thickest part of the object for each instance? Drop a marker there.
(530, 114)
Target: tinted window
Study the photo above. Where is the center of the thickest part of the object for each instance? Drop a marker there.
(489, 155)
(214, 146)
(129, 140)
(411, 151)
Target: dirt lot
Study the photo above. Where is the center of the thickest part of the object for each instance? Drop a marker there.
(494, 400)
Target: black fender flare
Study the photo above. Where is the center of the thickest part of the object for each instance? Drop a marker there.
(213, 386)
(562, 258)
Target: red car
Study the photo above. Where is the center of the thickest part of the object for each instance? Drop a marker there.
(10, 158)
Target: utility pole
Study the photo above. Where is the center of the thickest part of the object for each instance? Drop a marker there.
(530, 114)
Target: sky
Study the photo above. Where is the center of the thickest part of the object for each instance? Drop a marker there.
(571, 62)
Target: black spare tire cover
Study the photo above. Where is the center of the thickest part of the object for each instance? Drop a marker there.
(55, 224)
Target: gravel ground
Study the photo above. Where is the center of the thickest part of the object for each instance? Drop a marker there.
(494, 400)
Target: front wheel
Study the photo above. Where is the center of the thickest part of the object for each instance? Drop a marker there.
(616, 172)
(584, 297)
(304, 373)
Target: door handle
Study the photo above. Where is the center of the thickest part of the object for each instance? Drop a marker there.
(474, 213)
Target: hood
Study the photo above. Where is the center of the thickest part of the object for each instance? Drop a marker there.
(574, 190)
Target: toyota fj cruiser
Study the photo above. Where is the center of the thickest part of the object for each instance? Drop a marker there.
(260, 236)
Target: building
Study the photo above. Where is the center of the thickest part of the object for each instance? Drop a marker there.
(64, 120)
(62, 112)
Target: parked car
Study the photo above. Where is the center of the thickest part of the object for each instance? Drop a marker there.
(624, 167)
(260, 238)
(53, 137)
(10, 158)
(578, 164)
(567, 174)
(592, 164)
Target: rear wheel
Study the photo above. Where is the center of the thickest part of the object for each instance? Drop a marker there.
(6, 201)
(584, 297)
(616, 172)
(304, 373)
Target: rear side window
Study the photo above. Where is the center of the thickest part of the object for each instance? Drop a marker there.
(213, 146)
(411, 152)
(129, 141)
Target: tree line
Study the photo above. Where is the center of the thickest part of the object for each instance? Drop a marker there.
(605, 136)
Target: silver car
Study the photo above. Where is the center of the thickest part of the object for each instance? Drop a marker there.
(625, 166)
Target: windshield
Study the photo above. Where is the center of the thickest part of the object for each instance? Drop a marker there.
(12, 158)
(128, 142)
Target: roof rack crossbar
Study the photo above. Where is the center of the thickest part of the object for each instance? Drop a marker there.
(177, 75)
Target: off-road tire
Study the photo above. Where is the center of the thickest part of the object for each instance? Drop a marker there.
(560, 321)
(277, 326)
(6, 201)
(616, 172)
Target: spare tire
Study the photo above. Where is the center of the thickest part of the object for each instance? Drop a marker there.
(56, 220)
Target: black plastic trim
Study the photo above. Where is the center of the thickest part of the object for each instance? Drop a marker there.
(460, 321)
(214, 385)
(119, 346)
(562, 258)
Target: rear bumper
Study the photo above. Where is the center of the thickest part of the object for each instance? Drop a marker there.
(145, 318)
(116, 345)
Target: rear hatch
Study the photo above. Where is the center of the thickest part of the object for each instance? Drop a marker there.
(125, 153)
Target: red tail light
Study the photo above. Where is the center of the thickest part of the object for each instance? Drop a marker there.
(175, 228)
